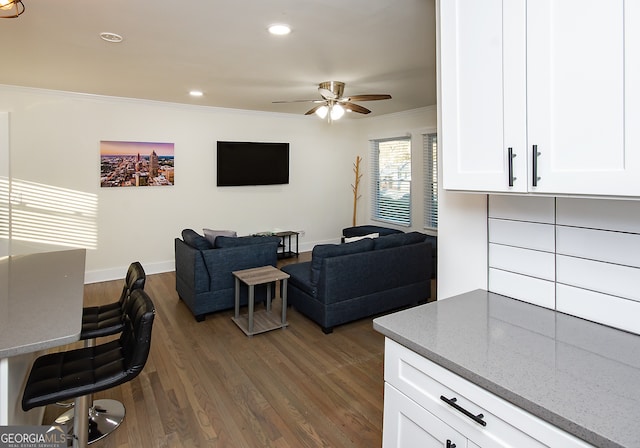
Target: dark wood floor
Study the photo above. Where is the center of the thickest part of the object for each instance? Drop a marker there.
(208, 385)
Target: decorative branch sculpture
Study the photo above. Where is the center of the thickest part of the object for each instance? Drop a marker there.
(354, 187)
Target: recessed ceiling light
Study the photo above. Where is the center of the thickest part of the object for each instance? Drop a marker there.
(279, 29)
(111, 37)
(196, 93)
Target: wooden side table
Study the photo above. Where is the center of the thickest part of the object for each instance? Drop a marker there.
(262, 320)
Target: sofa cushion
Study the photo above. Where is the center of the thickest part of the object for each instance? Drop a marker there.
(211, 235)
(228, 241)
(398, 239)
(322, 251)
(195, 240)
(357, 238)
(300, 274)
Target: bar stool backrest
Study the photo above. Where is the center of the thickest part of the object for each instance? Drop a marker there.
(135, 279)
(135, 339)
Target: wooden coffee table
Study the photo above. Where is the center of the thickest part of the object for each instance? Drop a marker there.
(262, 320)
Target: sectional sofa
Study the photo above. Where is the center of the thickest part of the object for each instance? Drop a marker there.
(204, 278)
(350, 281)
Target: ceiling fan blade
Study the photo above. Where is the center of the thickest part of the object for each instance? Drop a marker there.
(373, 97)
(298, 101)
(312, 111)
(355, 108)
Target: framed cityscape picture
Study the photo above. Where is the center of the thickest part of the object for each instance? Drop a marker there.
(136, 164)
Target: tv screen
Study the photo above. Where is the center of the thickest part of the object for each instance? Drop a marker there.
(250, 163)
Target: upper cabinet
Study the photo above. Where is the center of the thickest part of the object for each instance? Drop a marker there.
(541, 96)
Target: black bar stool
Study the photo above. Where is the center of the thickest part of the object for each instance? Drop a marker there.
(105, 415)
(106, 320)
(81, 372)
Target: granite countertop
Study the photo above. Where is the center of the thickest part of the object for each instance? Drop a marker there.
(40, 300)
(580, 376)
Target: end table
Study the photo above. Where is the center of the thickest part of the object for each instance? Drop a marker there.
(263, 320)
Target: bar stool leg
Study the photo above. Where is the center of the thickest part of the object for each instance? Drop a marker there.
(81, 423)
(101, 416)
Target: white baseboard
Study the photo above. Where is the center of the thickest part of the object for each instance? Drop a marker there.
(105, 275)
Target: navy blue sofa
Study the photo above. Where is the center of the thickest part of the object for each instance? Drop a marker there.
(350, 281)
(204, 278)
(356, 231)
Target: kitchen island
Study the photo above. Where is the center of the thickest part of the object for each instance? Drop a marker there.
(537, 376)
(41, 297)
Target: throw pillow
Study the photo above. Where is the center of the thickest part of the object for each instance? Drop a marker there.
(358, 238)
(195, 240)
(322, 251)
(399, 239)
(212, 234)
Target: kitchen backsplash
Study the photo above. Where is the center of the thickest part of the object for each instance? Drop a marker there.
(578, 256)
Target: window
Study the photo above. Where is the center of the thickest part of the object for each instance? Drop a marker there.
(391, 177)
(430, 144)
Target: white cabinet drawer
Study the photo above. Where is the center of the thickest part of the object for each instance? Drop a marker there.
(506, 425)
(408, 425)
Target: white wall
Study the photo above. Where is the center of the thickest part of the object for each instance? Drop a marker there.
(54, 141)
(54, 149)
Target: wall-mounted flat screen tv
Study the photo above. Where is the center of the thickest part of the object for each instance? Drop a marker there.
(252, 163)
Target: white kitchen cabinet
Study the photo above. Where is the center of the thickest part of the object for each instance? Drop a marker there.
(483, 94)
(551, 81)
(407, 425)
(428, 405)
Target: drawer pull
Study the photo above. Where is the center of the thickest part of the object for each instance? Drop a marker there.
(450, 444)
(452, 402)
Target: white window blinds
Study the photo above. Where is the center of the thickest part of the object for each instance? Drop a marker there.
(391, 180)
(430, 145)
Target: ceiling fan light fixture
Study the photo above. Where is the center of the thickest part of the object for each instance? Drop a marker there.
(322, 112)
(337, 112)
(10, 9)
(334, 105)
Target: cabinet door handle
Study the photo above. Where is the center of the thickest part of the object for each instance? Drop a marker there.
(535, 153)
(452, 402)
(450, 444)
(510, 157)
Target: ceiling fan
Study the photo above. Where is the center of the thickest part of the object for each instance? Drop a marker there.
(333, 105)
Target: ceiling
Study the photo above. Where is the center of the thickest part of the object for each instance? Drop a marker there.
(222, 48)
